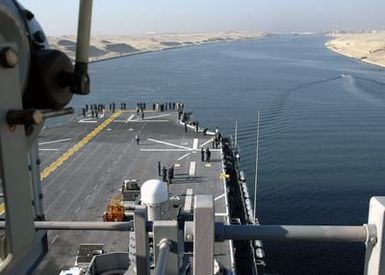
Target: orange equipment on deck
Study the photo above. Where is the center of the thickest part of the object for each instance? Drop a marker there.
(115, 210)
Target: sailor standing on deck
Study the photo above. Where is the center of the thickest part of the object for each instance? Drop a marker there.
(159, 168)
(202, 155)
(164, 174)
(169, 175)
(137, 139)
(208, 154)
(172, 171)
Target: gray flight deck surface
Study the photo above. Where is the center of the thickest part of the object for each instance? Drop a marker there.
(87, 172)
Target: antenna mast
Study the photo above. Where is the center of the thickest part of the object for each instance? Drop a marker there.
(236, 135)
(256, 170)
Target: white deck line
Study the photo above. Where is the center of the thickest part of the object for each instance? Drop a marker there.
(157, 116)
(54, 141)
(42, 149)
(231, 247)
(171, 150)
(165, 150)
(185, 155)
(140, 121)
(54, 239)
(220, 196)
(169, 144)
(195, 144)
(150, 120)
(205, 143)
(188, 201)
(87, 120)
(130, 117)
(220, 214)
(191, 171)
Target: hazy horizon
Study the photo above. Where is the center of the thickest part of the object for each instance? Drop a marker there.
(188, 16)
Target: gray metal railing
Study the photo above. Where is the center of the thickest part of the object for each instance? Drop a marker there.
(205, 232)
(80, 225)
(293, 233)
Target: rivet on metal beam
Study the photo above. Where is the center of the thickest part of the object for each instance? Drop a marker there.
(8, 57)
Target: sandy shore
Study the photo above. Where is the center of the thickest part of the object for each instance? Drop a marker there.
(368, 47)
(108, 47)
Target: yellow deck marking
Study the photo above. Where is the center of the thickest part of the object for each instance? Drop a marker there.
(56, 164)
(224, 176)
(51, 168)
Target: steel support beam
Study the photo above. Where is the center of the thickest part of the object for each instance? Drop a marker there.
(20, 233)
(142, 254)
(37, 192)
(375, 247)
(203, 262)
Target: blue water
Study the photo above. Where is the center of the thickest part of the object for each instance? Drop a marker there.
(322, 149)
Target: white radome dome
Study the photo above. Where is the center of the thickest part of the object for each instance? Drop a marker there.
(154, 192)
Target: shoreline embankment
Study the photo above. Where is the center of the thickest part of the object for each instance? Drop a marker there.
(366, 47)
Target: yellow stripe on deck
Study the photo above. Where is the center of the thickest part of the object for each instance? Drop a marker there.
(56, 164)
(70, 152)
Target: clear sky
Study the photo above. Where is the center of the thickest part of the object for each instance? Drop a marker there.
(161, 16)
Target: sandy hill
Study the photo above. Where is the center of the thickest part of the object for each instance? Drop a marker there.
(366, 46)
(107, 47)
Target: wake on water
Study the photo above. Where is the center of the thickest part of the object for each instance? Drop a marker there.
(274, 119)
(356, 86)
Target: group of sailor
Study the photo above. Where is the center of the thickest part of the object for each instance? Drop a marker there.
(140, 107)
(217, 138)
(93, 109)
(208, 154)
(167, 174)
(170, 106)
